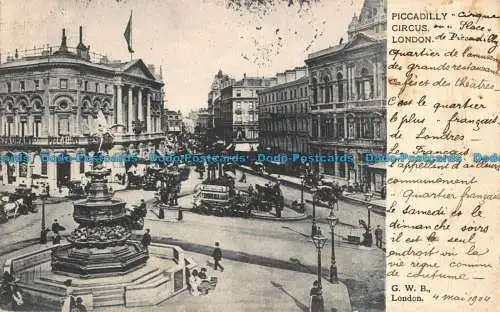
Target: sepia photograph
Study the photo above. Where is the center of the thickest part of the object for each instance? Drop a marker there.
(195, 155)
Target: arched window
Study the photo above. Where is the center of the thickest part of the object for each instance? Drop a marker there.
(315, 91)
(340, 84)
(327, 89)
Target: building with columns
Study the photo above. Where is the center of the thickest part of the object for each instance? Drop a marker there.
(347, 89)
(54, 101)
(284, 113)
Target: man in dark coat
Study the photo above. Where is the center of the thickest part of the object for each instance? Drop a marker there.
(217, 255)
(56, 227)
(317, 302)
(378, 236)
(146, 239)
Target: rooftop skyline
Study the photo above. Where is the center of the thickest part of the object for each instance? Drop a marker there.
(190, 39)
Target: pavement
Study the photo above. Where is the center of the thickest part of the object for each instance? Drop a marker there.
(253, 242)
(377, 202)
(249, 287)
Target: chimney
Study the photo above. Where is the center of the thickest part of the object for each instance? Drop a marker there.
(82, 51)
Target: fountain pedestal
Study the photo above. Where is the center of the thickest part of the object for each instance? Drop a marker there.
(99, 246)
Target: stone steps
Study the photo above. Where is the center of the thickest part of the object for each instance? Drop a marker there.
(146, 277)
(110, 297)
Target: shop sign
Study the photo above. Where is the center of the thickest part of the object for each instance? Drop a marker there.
(214, 188)
(63, 140)
(17, 140)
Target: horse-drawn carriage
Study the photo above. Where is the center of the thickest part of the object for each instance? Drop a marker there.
(266, 197)
(327, 193)
(169, 186)
(18, 203)
(219, 198)
(151, 178)
(134, 180)
(184, 172)
(75, 190)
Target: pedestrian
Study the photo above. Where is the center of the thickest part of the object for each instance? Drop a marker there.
(146, 239)
(378, 236)
(79, 306)
(193, 283)
(56, 239)
(56, 227)
(43, 235)
(179, 214)
(316, 303)
(250, 190)
(217, 255)
(69, 302)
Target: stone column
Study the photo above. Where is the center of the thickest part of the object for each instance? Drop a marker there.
(346, 131)
(335, 134)
(140, 115)
(29, 125)
(119, 105)
(148, 113)
(52, 175)
(130, 110)
(319, 127)
(353, 83)
(375, 79)
(75, 168)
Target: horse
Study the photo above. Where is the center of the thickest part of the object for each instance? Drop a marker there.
(271, 195)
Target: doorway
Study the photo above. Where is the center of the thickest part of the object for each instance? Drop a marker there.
(63, 170)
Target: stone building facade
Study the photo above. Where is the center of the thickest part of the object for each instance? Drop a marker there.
(172, 121)
(214, 104)
(56, 104)
(240, 114)
(239, 117)
(347, 89)
(284, 113)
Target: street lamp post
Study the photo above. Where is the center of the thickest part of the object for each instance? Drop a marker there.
(43, 232)
(319, 241)
(314, 227)
(332, 221)
(302, 192)
(369, 237)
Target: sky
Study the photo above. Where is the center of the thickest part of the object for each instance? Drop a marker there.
(190, 39)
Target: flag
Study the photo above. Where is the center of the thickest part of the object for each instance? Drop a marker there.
(128, 34)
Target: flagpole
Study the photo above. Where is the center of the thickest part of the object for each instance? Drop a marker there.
(131, 45)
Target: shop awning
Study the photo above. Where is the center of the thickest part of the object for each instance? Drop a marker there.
(246, 147)
(174, 129)
(378, 166)
(229, 146)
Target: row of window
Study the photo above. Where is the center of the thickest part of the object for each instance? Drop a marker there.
(63, 84)
(9, 129)
(286, 125)
(249, 105)
(283, 95)
(251, 117)
(363, 128)
(295, 108)
(252, 93)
